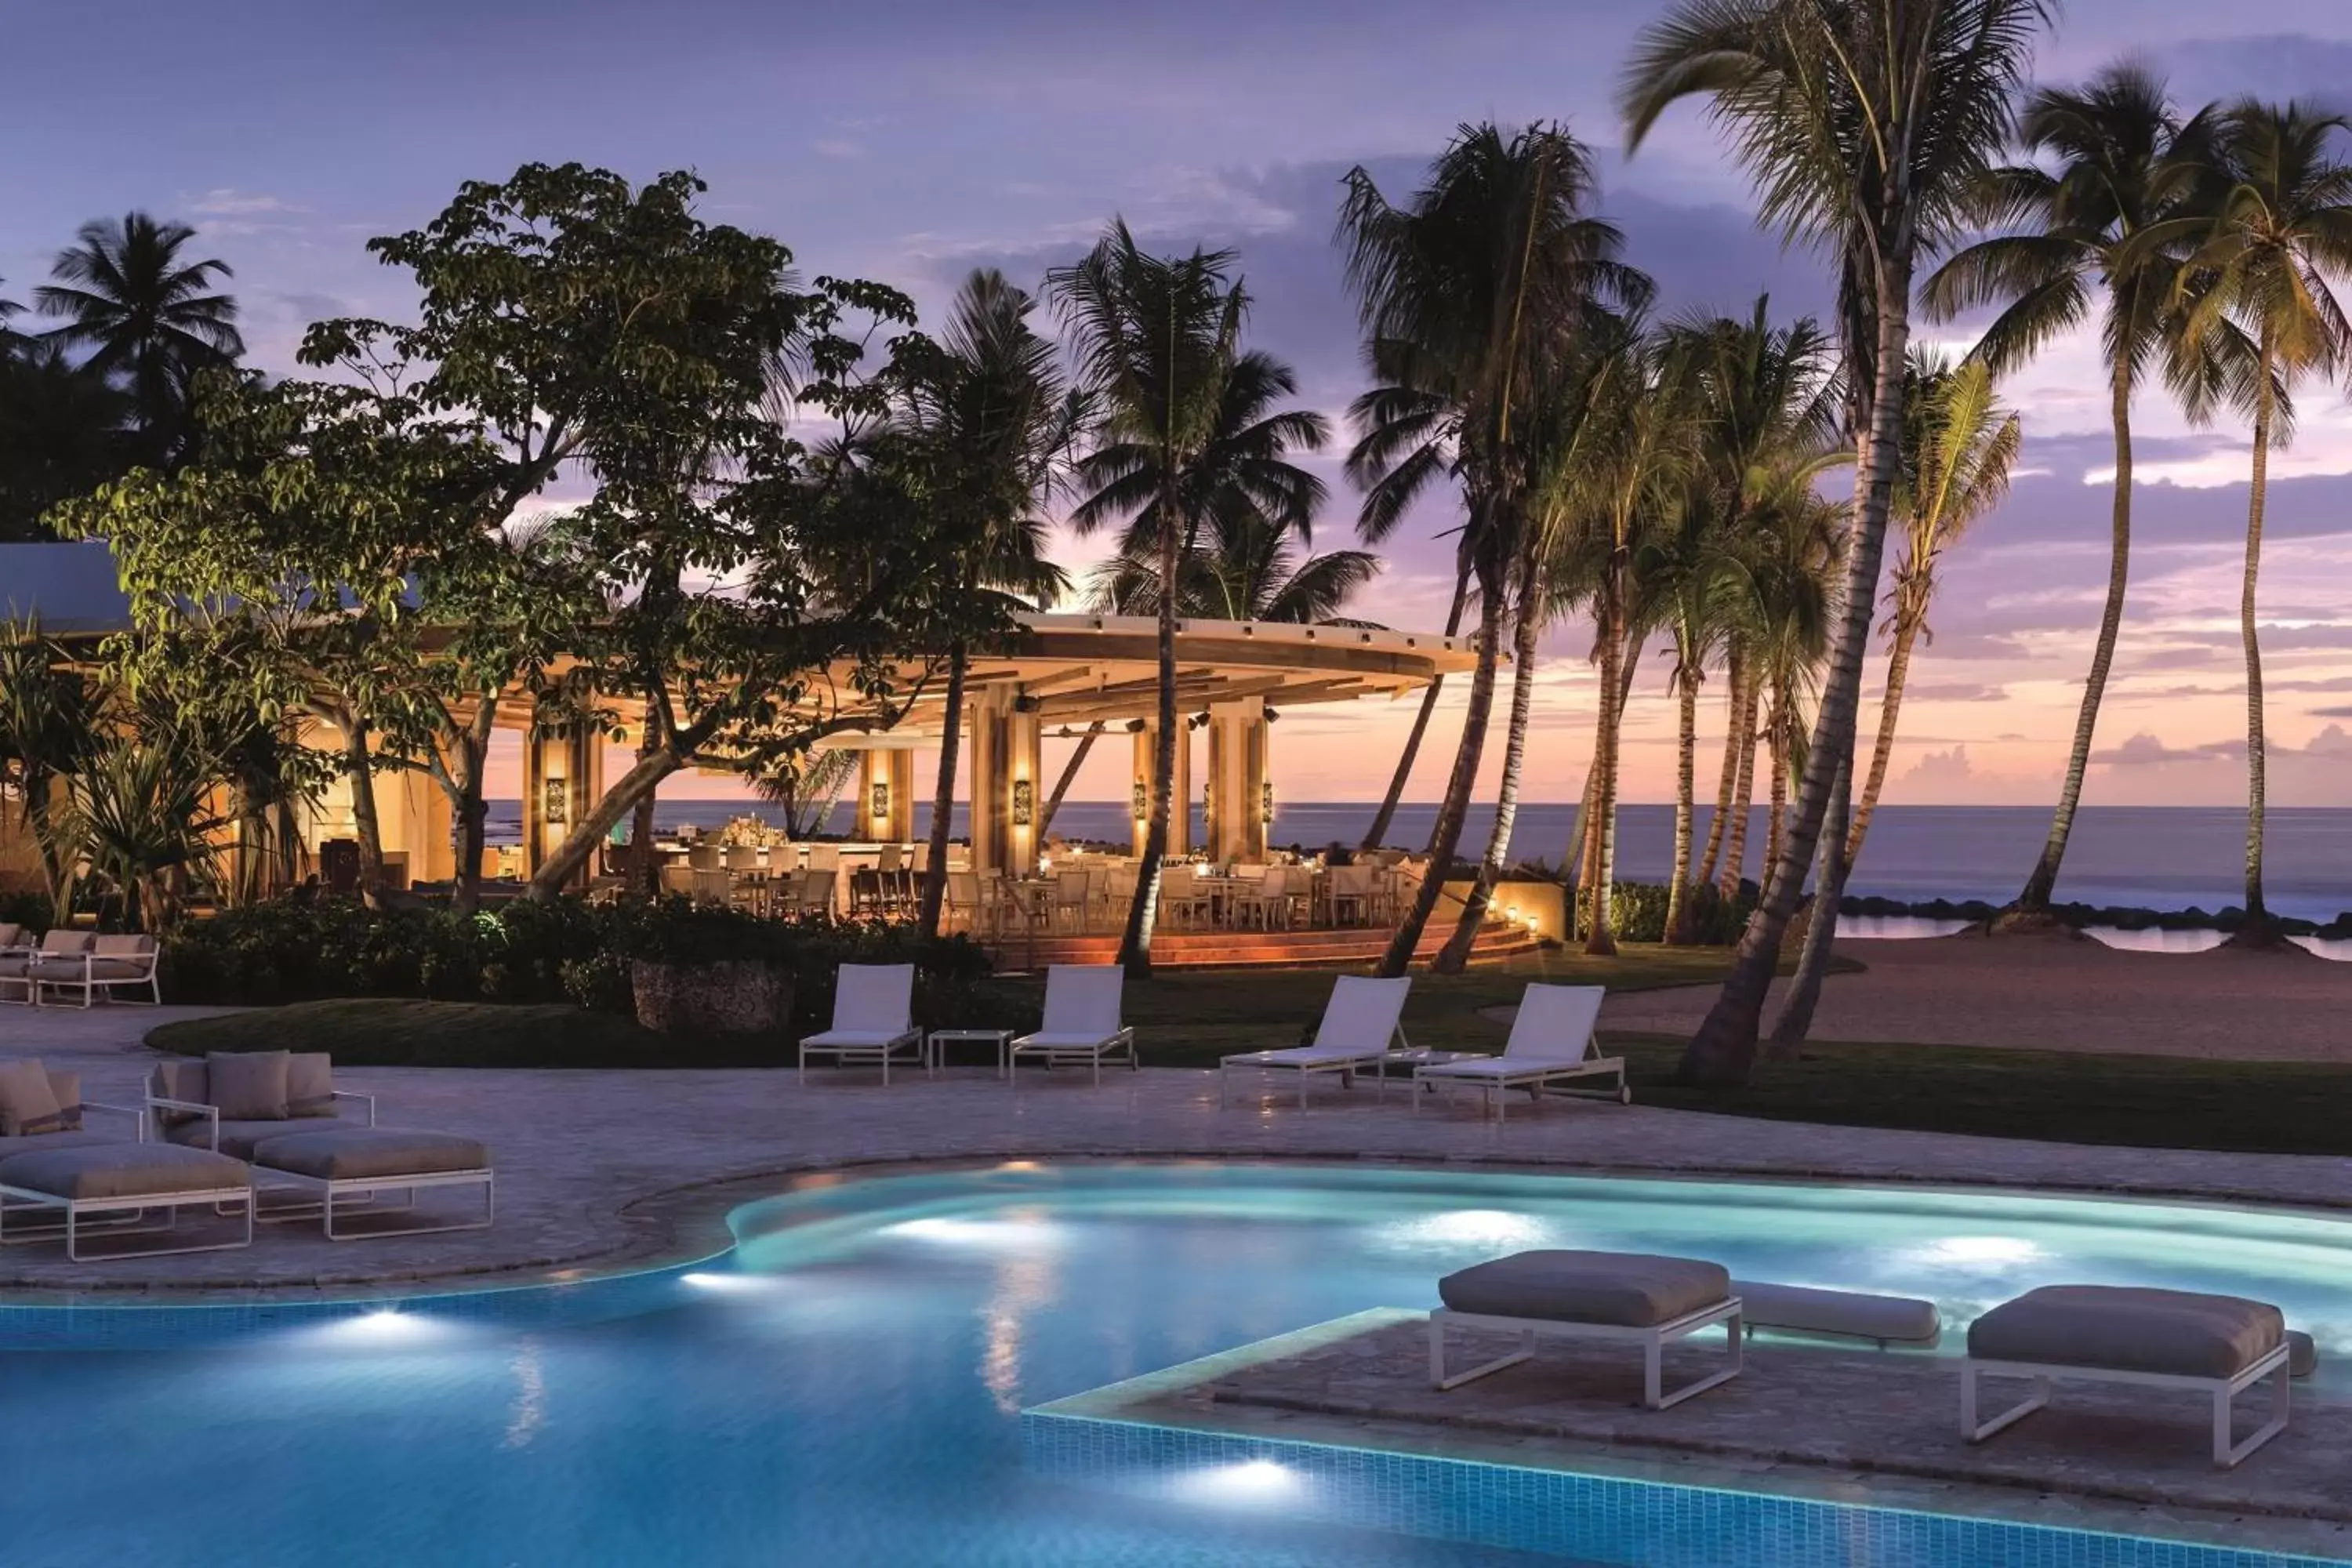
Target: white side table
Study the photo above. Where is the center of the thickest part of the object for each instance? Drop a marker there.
(935, 1058)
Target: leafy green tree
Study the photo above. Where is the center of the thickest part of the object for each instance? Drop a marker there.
(62, 433)
(1959, 444)
(145, 316)
(47, 724)
(1187, 432)
(1464, 294)
(2264, 257)
(1867, 128)
(2120, 160)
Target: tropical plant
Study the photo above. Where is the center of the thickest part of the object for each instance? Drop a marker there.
(2120, 160)
(140, 815)
(1959, 444)
(61, 433)
(48, 725)
(1189, 437)
(994, 412)
(147, 317)
(2264, 258)
(1867, 127)
(1464, 293)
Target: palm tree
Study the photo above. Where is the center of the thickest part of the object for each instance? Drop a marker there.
(1865, 127)
(1376, 833)
(993, 411)
(1158, 342)
(1464, 293)
(1959, 446)
(145, 317)
(2262, 258)
(2124, 161)
(61, 433)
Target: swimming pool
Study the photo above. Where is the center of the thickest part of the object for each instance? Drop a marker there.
(845, 1387)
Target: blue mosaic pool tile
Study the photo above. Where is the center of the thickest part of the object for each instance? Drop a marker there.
(1595, 1518)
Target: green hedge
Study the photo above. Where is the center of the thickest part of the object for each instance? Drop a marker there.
(564, 950)
(1637, 912)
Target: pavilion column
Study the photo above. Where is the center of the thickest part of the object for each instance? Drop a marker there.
(1026, 786)
(990, 787)
(562, 778)
(1238, 791)
(1180, 813)
(886, 794)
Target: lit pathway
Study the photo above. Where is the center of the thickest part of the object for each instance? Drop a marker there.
(578, 1150)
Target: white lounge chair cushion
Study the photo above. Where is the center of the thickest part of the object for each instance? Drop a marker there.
(1310, 1055)
(1083, 999)
(1555, 1022)
(1628, 1289)
(874, 998)
(1362, 1012)
(865, 1039)
(1063, 1040)
(352, 1153)
(1502, 1067)
(1815, 1311)
(121, 1171)
(2184, 1333)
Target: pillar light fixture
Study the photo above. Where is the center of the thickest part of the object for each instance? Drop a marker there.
(878, 801)
(1140, 801)
(1024, 803)
(554, 801)
(1266, 800)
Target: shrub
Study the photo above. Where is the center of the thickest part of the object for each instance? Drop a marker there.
(565, 951)
(1637, 911)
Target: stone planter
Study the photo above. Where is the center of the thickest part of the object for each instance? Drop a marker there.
(731, 997)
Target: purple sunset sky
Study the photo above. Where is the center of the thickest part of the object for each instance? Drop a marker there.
(909, 143)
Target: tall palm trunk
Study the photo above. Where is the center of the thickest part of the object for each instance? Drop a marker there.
(2043, 883)
(473, 813)
(1456, 955)
(1576, 865)
(1135, 943)
(1723, 1051)
(935, 860)
(1743, 793)
(1379, 831)
(1601, 940)
(1686, 804)
(1796, 1020)
(1907, 621)
(2257, 924)
(1776, 752)
(1447, 835)
(1069, 775)
(1733, 695)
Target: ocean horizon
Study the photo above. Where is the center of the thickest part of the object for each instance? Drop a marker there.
(2162, 858)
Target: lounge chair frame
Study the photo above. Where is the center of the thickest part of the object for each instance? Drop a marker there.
(15, 1200)
(1071, 1048)
(2223, 1392)
(1652, 1339)
(330, 1188)
(42, 973)
(1309, 1060)
(853, 1043)
(1537, 1071)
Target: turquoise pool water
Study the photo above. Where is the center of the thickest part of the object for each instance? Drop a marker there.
(845, 1387)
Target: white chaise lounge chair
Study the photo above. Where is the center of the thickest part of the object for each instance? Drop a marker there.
(1551, 1043)
(873, 1018)
(1082, 1025)
(2218, 1346)
(1360, 1025)
(1650, 1301)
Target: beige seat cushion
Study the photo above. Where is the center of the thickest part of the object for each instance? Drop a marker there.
(1625, 1289)
(75, 969)
(2127, 1329)
(240, 1139)
(352, 1153)
(121, 1171)
(248, 1085)
(70, 1138)
(310, 1084)
(28, 1102)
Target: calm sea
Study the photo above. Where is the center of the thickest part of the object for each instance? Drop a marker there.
(2166, 857)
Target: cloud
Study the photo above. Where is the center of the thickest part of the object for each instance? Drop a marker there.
(228, 202)
(837, 147)
(1960, 691)
(1937, 770)
(2144, 750)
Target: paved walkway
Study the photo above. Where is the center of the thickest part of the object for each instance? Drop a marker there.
(586, 1157)
(2059, 994)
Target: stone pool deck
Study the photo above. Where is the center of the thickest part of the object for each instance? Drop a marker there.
(1802, 1419)
(604, 1170)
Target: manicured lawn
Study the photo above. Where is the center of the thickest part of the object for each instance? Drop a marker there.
(1190, 1020)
